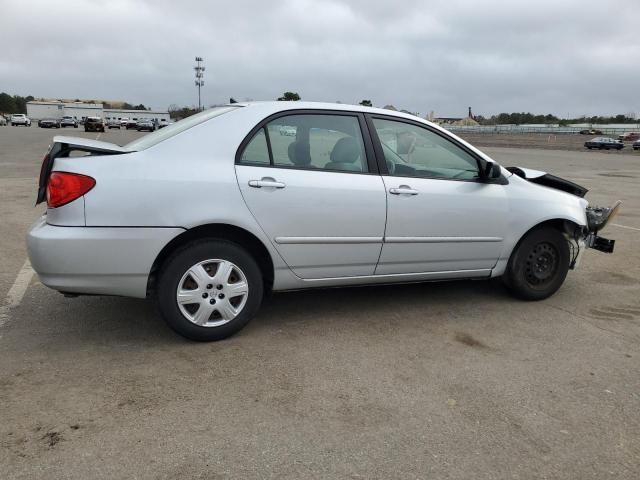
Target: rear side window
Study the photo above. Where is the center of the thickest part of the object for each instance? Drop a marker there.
(310, 142)
(257, 151)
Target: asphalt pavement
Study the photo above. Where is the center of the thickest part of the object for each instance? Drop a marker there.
(450, 380)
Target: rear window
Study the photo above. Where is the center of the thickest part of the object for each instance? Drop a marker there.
(169, 131)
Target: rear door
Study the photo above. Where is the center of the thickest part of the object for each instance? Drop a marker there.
(310, 181)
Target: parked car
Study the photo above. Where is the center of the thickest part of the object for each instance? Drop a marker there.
(20, 119)
(3, 121)
(145, 125)
(590, 131)
(162, 123)
(132, 124)
(68, 121)
(123, 122)
(604, 143)
(636, 145)
(114, 124)
(208, 215)
(93, 124)
(629, 136)
(49, 123)
(288, 131)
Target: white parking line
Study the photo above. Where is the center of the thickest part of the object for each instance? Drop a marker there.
(16, 292)
(624, 226)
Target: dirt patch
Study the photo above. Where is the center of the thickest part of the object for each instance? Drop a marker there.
(613, 278)
(538, 140)
(468, 340)
(51, 439)
(616, 175)
(623, 312)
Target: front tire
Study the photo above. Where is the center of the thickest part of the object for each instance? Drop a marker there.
(209, 289)
(539, 264)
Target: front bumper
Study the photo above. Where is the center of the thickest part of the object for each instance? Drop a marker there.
(96, 260)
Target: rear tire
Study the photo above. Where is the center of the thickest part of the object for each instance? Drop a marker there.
(539, 264)
(220, 286)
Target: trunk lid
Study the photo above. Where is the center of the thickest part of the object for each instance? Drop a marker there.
(63, 147)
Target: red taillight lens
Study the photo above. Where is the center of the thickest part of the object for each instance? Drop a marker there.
(64, 187)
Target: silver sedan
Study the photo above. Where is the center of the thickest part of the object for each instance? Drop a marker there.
(209, 214)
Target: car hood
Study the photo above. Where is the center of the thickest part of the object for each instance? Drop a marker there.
(547, 180)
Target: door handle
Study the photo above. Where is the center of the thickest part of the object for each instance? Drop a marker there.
(403, 190)
(266, 182)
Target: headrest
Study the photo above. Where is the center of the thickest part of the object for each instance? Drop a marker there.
(299, 153)
(346, 150)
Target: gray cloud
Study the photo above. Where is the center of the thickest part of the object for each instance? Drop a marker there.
(575, 57)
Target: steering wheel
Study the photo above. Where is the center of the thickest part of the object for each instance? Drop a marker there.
(391, 167)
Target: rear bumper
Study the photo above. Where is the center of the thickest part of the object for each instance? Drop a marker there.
(96, 260)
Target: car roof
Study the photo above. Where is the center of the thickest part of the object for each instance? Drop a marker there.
(281, 106)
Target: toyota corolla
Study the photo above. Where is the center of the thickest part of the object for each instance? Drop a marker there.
(211, 213)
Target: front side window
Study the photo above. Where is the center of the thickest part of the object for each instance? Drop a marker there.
(314, 142)
(413, 151)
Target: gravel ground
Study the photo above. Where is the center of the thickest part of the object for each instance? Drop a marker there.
(540, 141)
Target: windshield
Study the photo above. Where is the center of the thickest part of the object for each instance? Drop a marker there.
(169, 131)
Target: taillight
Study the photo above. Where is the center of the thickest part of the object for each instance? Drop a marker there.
(65, 187)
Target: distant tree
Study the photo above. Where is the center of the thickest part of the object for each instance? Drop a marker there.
(7, 103)
(140, 107)
(289, 97)
(178, 113)
(127, 106)
(366, 103)
(106, 105)
(21, 104)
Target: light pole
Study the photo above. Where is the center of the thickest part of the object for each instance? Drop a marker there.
(199, 68)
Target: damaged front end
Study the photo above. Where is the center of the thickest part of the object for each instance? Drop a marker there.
(597, 217)
(587, 237)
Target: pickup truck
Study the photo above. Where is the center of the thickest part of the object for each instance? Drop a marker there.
(20, 119)
(93, 124)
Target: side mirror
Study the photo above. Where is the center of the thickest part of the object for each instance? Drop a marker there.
(491, 171)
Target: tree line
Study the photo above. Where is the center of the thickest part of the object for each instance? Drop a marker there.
(14, 103)
(529, 118)
(17, 104)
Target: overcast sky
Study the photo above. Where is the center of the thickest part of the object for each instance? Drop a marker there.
(559, 56)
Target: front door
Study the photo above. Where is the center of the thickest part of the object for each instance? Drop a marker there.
(307, 180)
(441, 216)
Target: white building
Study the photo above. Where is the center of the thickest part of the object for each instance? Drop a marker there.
(119, 114)
(39, 110)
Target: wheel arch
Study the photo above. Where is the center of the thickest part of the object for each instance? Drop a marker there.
(566, 226)
(222, 231)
